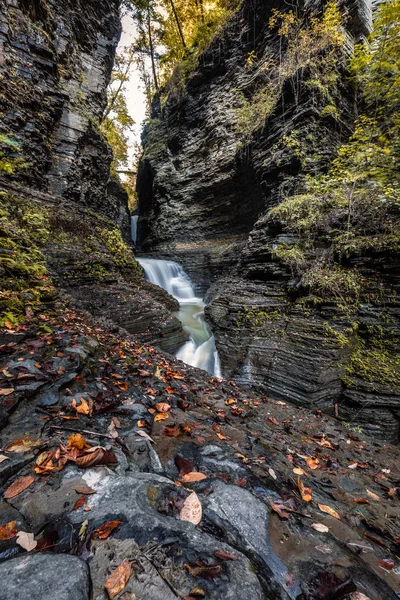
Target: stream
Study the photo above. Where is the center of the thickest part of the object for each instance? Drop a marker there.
(199, 351)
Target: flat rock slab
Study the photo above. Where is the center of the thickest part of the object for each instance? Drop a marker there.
(44, 577)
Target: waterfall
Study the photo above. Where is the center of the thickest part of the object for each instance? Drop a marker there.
(199, 351)
(134, 220)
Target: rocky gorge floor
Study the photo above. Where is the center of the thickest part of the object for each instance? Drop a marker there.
(126, 474)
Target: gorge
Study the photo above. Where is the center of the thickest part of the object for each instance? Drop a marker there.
(199, 394)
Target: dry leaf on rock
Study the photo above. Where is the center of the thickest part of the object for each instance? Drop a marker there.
(280, 509)
(26, 541)
(358, 596)
(312, 463)
(222, 555)
(386, 564)
(76, 440)
(84, 407)
(96, 456)
(162, 407)
(6, 391)
(373, 496)
(104, 531)
(19, 485)
(172, 431)
(320, 527)
(145, 435)
(118, 579)
(192, 477)
(8, 531)
(80, 502)
(85, 490)
(272, 473)
(207, 571)
(191, 509)
(3, 458)
(112, 430)
(305, 492)
(22, 445)
(161, 416)
(329, 510)
(298, 471)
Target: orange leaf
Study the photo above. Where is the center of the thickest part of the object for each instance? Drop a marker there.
(162, 407)
(161, 416)
(305, 492)
(172, 431)
(192, 477)
(118, 579)
(8, 531)
(84, 408)
(80, 502)
(362, 501)
(22, 445)
(221, 436)
(19, 485)
(96, 456)
(312, 463)
(170, 390)
(329, 510)
(76, 440)
(105, 530)
(191, 510)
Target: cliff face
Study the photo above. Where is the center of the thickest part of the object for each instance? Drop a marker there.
(55, 64)
(205, 188)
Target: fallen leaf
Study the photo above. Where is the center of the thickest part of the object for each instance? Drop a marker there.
(8, 531)
(281, 510)
(83, 529)
(85, 490)
(105, 530)
(222, 555)
(298, 471)
(84, 408)
(312, 463)
(3, 458)
(162, 407)
(305, 492)
(19, 485)
(192, 477)
(221, 436)
(386, 564)
(361, 501)
(373, 496)
(353, 465)
(26, 541)
(358, 596)
(273, 420)
(290, 579)
(207, 571)
(118, 579)
(324, 548)
(96, 456)
(80, 502)
(327, 509)
(22, 445)
(172, 431)
(6, 391)
(161, 417)
(320, 527)
(191, 510)
(76, 440)
(112, 430)
(272, 473)
(145, 435)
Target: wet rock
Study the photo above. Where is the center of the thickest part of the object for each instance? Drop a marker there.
(44, 577)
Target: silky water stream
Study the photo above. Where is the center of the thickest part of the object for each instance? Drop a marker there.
(199, 351)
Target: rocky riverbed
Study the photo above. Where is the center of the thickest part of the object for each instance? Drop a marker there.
(104, 439)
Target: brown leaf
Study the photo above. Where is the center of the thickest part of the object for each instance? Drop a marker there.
(222, 555)
(386, 564)
(272, 420)
(329, 510)
(84, 408)
(6, 391)
(192, 477)
(21, 484)
(305, 492)
(361, 501)
(80, 502)
(207, 571)
(118, 579)
(162, 407)
(8, 531)
(184, 465)
(281, 510)
(96, 456)
(105, 530)
(312, 463)
(22, 445)
(191, 510)
(172, 431)
(320, 527)
(85, 490)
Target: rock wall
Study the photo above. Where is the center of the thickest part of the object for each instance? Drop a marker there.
(55, 64)
(204, 194)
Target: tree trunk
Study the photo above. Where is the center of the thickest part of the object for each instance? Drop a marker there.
(178, 23)
(153, 64)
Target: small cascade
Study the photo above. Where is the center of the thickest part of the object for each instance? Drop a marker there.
(200, 350)
(134, 220)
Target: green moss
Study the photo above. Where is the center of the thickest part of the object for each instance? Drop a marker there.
(381, 366)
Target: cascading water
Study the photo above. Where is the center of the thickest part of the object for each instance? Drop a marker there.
(199, 351)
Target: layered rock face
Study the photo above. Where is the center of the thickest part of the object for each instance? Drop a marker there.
(55, 64)
(205, 188)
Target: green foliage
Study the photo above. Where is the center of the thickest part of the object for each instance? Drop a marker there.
(310, 49)
(355, 208)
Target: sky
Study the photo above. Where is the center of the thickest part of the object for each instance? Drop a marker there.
(134, 88)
